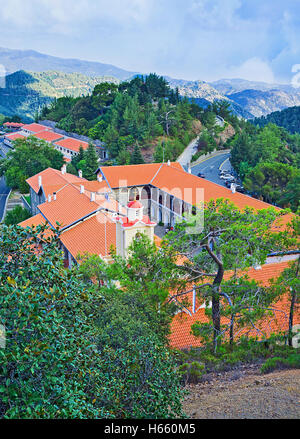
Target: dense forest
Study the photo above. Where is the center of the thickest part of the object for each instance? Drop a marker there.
(268, 161)
(25, 93)
(142, 119)
(288, 119)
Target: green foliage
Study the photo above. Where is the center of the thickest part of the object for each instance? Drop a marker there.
(191, 372)
(86, 161)
(273, 182)
(30, 156)
(16, 216)
(268, 161)
(206, 142)
(292, 362)
(136, 157)
(245, 351)
(227, 242)
(75, 350)
(27, 92)
(287, 118)
(140, 110)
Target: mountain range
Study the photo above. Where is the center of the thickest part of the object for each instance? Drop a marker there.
(25, 93)
(34, 79)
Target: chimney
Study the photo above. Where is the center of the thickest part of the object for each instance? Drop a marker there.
(49, 198)
(81, 189)
(189, 169)
(169, 163)
(54, 196)
(64, 169)
(93, 196)
(233, 188)
(40, 181)
(99, 177)
(80, 173)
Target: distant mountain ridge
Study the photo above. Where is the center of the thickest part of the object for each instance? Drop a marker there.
(204, 94)
(25, 93)
(258, 98)
(248, 99)
(30, 60)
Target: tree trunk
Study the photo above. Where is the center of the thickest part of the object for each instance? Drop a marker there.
(291, 316)
(231, 330)
(216, 317)
(216, 305)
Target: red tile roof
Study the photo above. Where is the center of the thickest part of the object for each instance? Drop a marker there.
(48, 136)
(133, 175)
(135, 205)
(126, 223)
(52, 177)
(181, 336)
(94, 236)
(13, 124)
(36, 128)
(14, 136)
(189, 188)
(93, 186)
(175, 181)
(72, 144)
(37, 220)
(69, 207)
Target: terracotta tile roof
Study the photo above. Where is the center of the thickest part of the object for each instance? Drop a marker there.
(135, 204)
(35, 128)
(37, 220)
(50, 189)
(14, 136)
(188, 187)
(126, 223)
(94, 186)
(33, 221)
(133, 175)
(69, 206)
(52, 177)
(73, 144)
(89, 236)
(49, 136)
(13, 124)
(175, 181)
(181, 336)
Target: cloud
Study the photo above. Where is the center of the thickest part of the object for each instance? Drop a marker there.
(254, 69)
(55, 12)
(194, 39)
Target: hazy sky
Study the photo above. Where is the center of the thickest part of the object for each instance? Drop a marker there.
(190, 39)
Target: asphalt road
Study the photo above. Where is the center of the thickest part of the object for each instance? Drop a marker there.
(4, 190)
(210, 168)
(188, 153)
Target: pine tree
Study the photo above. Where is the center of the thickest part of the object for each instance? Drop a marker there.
(91, 162)
(137, 157)
(78, 158)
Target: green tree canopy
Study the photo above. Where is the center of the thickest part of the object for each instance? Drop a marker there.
(30, 156)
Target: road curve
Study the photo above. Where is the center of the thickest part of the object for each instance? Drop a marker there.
(210, 167)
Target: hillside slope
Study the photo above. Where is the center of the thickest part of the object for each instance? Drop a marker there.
(258, 98)
(14, 60)
(260, 103)
(204, 94)
(27, 92)
(289, 118)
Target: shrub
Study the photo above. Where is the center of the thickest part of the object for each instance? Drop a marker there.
(293, 362)
(17, 215)
(191, 372)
